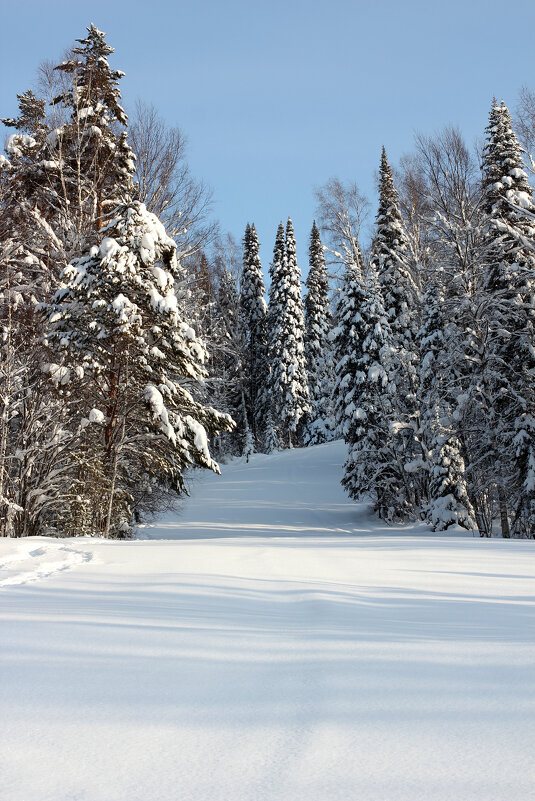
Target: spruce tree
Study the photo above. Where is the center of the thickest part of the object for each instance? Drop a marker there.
(347, 344)
(510, 313)
(372, 465)
(94, 161)
(129, 353)
(228, 366)
(287, 387)
(318, 350)
(393, 263)
(253, 319)
(390, 258)
(449, 503)
(120, 353)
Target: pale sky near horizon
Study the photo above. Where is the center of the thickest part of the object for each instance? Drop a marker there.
(275, 98)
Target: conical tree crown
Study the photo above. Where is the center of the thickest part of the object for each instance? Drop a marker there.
(505, 181)
(94, 163)
(252, 282)
(507, 197)
(95, 82)
(286, 332)
(390, 254)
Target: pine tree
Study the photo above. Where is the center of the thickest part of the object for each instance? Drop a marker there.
(287, 387)
(318, 351)
(32, 432)
(253, 314)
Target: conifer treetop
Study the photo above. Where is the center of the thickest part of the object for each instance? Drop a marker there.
(94, 78)
(390, 254)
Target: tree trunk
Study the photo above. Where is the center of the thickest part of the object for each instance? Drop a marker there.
(504, 517)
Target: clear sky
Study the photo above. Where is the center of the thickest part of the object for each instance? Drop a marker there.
(276, 97)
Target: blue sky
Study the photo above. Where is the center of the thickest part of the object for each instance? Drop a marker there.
(277, 97)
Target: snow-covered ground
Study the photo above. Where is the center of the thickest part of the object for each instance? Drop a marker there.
(271, 642)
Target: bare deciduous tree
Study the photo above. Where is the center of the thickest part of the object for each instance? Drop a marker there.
(166, 184)
(342, 210)
(525, 123)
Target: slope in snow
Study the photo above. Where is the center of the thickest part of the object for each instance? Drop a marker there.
(284, 659)
(287, 493)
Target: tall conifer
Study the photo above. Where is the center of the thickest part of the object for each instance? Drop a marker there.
(288, 386)
(318, 346)
(390, 258)
(253, 314)
(510, 312)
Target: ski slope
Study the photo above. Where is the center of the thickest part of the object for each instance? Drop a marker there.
(269, 641)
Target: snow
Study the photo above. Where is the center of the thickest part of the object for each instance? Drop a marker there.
(155, 400)
(58, 373)
(16, 141)
(54, 136)
(161, 276)
(200, 439)
(268, 641)
(109, 247)
(521, 199)
(96, 416)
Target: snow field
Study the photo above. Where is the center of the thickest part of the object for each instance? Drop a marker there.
(301, 652)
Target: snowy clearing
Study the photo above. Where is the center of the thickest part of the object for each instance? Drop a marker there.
(271, 642)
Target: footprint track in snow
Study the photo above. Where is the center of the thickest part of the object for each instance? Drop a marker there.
(26, 566)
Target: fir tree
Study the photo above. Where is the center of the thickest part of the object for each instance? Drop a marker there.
(318, 351)
(288, 387)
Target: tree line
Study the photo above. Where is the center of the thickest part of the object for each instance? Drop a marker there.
(424, 359)
(131, 350)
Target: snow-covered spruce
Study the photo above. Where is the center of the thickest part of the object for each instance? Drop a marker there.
(287, 389)
(227, 366)
(347, 348)
(63, 178)
(391, 260)
(510, 315)
(253, 319)
(449, 503)
(318, 345)
(117, 320)
(372, 467)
